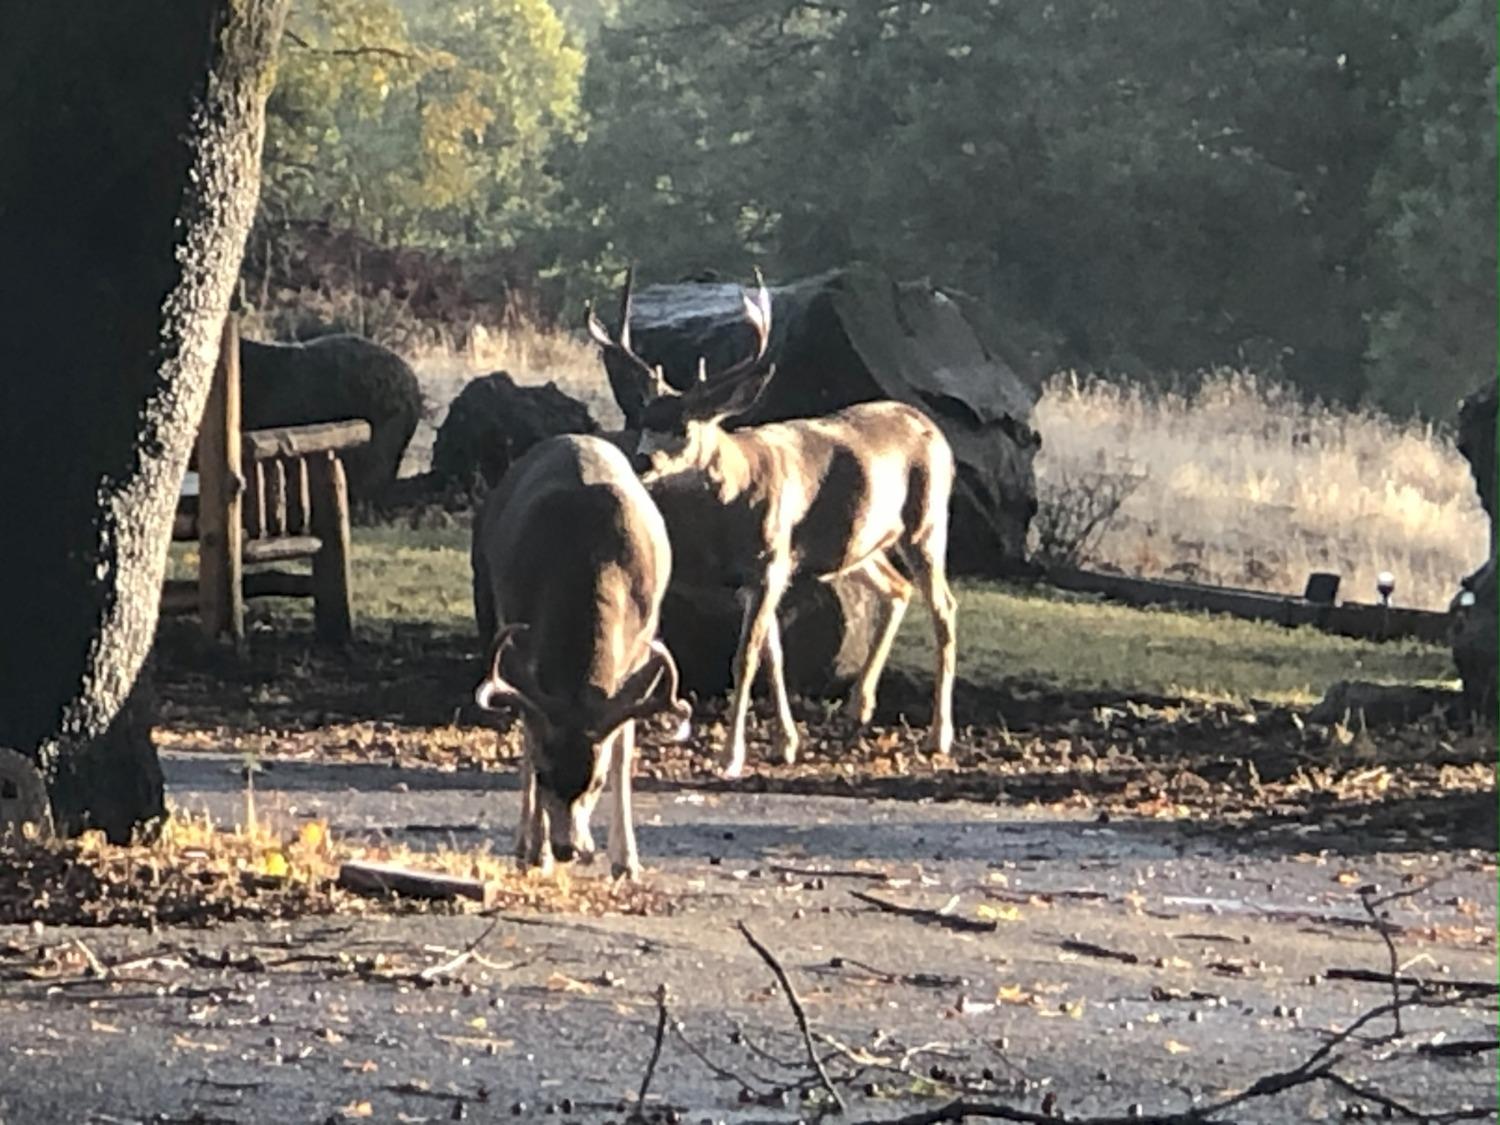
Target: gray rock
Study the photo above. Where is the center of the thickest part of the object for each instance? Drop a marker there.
(827, 631)
(493, 422)
(330, 379)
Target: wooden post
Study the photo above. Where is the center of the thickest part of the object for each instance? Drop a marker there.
(333, 608)
(303, 523)
(276, 499)
(221, 604)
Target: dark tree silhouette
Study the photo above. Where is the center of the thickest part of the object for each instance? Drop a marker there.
(129, 166)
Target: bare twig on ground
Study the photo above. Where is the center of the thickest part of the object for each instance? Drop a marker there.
(1371, 905)
(1460, 1047)
(465, 955)
(1317, 1067)
(1103, 952)
(1426, 984)
(661, 1031)
(797, 1010)
(829, 872)
(916, 980)
(923, 914)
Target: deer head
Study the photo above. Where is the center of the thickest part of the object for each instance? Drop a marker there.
(676, 427)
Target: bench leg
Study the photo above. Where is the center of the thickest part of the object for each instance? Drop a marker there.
(333, 607)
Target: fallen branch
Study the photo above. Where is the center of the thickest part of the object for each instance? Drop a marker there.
(924, 914)
(797, 1010)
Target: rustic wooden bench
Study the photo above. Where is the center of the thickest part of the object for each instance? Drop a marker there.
(261, 497)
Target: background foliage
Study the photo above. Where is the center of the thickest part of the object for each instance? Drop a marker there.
(1309, 190)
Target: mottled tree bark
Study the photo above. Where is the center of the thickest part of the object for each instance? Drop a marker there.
(129, 168)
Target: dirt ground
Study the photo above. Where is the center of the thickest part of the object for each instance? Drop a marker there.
(1133, 908)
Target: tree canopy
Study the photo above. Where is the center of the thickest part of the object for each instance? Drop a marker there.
(1156, 187)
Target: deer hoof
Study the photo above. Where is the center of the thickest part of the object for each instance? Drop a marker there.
(787, 747)
(859, 708)
(732, 770)
(627, 872)
(940, 741)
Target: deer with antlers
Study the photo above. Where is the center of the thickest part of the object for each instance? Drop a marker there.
(571, 560)
(849, 494)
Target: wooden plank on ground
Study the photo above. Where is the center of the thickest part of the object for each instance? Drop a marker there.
(389, 878)
(1351, 619)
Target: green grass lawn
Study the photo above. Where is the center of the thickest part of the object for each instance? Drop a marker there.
(406, 576)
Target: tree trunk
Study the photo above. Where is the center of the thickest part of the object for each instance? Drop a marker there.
(131, 140)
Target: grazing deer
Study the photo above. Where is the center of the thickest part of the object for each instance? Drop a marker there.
(571, 559)
(832, 496)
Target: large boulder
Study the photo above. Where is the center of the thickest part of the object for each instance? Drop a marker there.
(827, 634)
(330, 379)
(851, 336)
(492, 422)
(1475, 640)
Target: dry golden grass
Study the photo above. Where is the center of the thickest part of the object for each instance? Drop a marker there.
(532, 356)
(1247, 485)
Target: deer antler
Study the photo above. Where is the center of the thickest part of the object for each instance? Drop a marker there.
(758, 313)
(623, 335)
(523, 691)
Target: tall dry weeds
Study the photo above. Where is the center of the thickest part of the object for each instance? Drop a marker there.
(1248, 484)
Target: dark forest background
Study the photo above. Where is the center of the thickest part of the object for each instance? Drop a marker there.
(1148, 188)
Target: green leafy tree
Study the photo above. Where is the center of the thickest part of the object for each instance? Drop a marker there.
(1142, 187)
(1435, 201)
(419, 121)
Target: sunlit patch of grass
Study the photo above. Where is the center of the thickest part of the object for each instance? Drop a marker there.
(1071, 642)
(405, 577)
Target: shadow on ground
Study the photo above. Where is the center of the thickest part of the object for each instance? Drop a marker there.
(401, 697)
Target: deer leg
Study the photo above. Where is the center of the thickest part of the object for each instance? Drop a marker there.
(786, 743)
(624, 861)
(926, 562)
(760, 611)
(525, 828)
(895, 590)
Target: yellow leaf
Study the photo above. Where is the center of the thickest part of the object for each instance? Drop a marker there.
(274, 864)
(479, 1023)
(357, 1109)
(362, 1066)
(1348, 877)
(1005, 913)
(1176, 1048)
(1014, 994)
(312, 835)
(999, 878)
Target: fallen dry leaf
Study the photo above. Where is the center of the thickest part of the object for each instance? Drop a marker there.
(561, 982)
